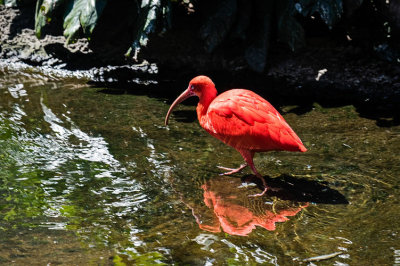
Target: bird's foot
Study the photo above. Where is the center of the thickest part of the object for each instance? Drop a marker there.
(259, 194)
(266, 187)
(231, 170)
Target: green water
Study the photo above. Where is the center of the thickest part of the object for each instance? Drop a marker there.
(90, 177)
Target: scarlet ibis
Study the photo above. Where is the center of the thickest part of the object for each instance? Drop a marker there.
(242, 119)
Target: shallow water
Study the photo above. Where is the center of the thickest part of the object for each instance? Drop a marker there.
(93, 177)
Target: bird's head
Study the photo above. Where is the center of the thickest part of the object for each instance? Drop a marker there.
(200, 86)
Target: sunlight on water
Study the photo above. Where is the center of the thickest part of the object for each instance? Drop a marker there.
(89, 148)
(158, 160)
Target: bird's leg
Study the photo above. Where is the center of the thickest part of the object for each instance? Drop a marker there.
(248, 157)
(232, 170)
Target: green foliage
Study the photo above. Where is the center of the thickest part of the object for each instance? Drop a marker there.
(291, 32)
(16, 3)
(81, 14)
(78, 15)
(254, 23)
(43, 14)
(9, 3)
(289, 29)
(218, 24)
(330, 11)
(282, 14)
(149, 13)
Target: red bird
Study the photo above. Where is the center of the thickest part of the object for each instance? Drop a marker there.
(242, 119)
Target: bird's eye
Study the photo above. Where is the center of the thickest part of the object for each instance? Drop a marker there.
(192, 87)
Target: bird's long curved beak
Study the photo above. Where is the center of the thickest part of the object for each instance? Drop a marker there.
(186, 94)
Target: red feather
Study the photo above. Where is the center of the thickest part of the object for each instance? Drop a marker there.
(244, 120)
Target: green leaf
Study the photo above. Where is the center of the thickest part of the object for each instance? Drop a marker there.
(330, 10)
(82, 14)
(9, 3)
(149, 12)
(44, 10)
(289, 29)
(351, 5)
(218, 24)
(256, 53)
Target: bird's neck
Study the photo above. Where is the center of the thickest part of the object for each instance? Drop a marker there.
(205, 101)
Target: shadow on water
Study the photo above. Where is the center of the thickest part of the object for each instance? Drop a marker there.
(185, 116)
(385, 114)
(286, 187)
(384, 117)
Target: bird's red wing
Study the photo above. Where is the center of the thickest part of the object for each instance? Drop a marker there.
(244, 120)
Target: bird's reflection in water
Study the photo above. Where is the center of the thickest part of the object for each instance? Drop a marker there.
(229, 208)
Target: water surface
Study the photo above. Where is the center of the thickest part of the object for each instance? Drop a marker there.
(92, 177)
